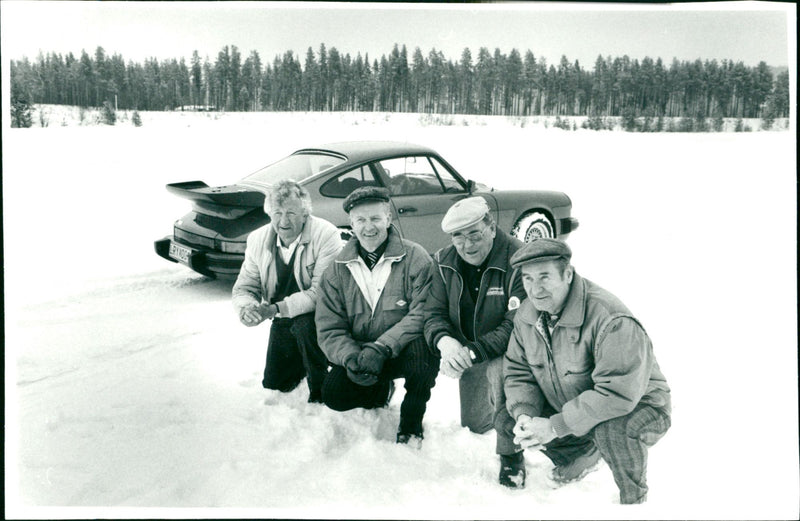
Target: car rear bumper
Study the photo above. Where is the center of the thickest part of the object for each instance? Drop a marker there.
(210, 263)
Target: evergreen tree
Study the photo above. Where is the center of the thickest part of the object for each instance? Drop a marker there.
(20, 104)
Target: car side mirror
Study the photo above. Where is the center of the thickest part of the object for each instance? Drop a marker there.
(470, 186)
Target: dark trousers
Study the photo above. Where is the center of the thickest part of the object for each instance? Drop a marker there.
(622, 443)
(415, 363)
(292, 353)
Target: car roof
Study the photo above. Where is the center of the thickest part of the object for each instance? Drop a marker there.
(356, 151)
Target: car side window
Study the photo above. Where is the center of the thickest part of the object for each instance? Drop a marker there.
(343, 184)
(411, 175)
(451, 184)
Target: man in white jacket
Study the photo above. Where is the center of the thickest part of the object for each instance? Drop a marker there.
(278, 281)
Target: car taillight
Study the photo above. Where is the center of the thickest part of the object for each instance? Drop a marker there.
(231, 247)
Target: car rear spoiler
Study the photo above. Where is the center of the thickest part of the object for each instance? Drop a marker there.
(229, 195)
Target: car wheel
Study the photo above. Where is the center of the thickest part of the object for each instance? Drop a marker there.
(534, 225)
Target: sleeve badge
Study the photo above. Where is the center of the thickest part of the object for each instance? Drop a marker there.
(513, 303)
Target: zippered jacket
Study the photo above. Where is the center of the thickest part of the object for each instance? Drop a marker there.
(320, 242)
(601, 364)
(346, 320)
(494, 308)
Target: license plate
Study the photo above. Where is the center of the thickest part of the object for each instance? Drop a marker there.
(179, 253)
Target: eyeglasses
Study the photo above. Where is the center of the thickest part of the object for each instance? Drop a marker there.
(472, 237)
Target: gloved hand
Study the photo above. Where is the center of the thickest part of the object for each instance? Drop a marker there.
(357, 375)
(372, 357)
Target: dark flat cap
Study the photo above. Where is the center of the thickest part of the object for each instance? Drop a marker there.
(540, 250)
(365, 194)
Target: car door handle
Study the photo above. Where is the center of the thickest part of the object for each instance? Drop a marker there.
(407, 209)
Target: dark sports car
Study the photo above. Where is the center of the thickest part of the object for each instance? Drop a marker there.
(211, 238)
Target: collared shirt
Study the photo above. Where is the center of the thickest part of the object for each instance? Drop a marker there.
(377, 254)
(287, 251)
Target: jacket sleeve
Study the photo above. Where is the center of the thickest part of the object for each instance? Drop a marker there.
(623, 363)
(437, 311)
(523, 394)
(247, 289)
(326, 243)
(333, 329)
(418, 282)
(494, 343)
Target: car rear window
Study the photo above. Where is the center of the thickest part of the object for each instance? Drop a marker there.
(296, 167)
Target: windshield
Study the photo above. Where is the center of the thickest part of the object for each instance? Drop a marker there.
(296, 167)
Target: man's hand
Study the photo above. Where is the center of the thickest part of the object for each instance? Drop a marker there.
(455, 357)
(533, 433)
(251, 315)
(372, 357)
(356, 374)
(268, 311)
(449, 370)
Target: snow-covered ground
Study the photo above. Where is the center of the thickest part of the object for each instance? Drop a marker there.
(130, 383)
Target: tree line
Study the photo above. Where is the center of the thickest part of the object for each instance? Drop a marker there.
(327, 80)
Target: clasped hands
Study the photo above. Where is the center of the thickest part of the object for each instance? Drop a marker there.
(364, 368)
(455, 357)
(533, 433)
(254, 314)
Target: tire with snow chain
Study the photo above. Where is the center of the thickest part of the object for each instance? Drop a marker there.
(534, 225)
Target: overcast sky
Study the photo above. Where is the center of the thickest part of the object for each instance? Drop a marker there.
(746, 31)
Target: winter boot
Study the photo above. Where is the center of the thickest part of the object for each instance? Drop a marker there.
(411, 439)
(577, 469)
(512, 470)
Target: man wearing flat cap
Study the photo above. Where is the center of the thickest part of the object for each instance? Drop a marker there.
(370, 317)
(470, 310)
(581, 379)
(279, 279)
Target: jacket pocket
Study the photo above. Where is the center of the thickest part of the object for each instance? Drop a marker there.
(393, 308)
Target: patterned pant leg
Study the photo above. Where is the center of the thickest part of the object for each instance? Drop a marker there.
(623, 444)
(342, 394)
(419, 367)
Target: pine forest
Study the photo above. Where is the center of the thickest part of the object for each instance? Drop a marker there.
(490, 84)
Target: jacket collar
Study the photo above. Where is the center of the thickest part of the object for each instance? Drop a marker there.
(575, 307)
(574, 311)
(498, 255)
(395, 248)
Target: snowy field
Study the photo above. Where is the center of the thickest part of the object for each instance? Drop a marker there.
(132, 390)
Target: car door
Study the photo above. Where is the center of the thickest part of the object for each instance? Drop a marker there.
(422, 192)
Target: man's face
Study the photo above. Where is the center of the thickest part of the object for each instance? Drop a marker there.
(474, 243)
(370, 223)
(288, 219)
(545, 286)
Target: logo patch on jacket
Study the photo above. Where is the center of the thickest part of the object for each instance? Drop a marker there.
(513, 303)
(400, 303)
(494, 292)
